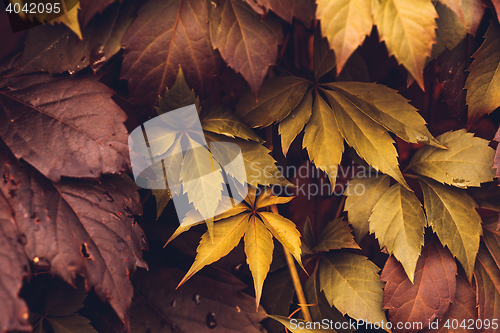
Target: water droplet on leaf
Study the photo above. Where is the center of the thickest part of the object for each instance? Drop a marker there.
(210, 320)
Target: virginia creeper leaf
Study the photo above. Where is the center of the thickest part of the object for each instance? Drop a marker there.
(362, 195)
(56, 49)
(398, 222)
(336, 235)
(487, 196)
(496, 161)
(323, 56)
(473, 13)
(370, 140)
(287, 10)
(154, 52)
(259, 248)
(496, 4)
(246, 43)
(65, 112)
(491, 239)
(78, 227)
(487, 275)
(89, 9)
(177, 96)
(388, 108)
(266, 199)
(279, 96)
(301, 326)
(466, 162)
(277, 296)
(291, 126)
(407, 28)
(345, 23)
(352, 285)
(452, 215)
(323, 140)
(430, 295)
(456, 7)
(451, 30)
(71, 324)
(223, 121)
(483, 82)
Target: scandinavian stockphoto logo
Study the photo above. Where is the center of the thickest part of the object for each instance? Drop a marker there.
(170, 152)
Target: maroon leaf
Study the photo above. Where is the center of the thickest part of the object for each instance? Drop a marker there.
(13, 310)
(496, 161)
(487, 276)
(286, 9)
(462, 309)
(430, 295)
(491, 238)
(55, 48)
(89, 8)
(51, 122)
(246, 43)
(77, 228)
(166, 35)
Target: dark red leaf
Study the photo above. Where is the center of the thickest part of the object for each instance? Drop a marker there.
(166, 35)
(487, 276)
(246, 43)
(77, 228)
(286, 9)
(430, 295)
(64, 126)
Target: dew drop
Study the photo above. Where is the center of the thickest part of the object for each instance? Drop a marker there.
(108, 197)
(210, 320)
(128, 211)
(196, 299)
(41, 264)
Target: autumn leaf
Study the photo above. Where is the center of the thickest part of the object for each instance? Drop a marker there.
(467, 162)
(336, 235)
(66, 142)
(487, 275)
(487, 196)
(154, 52)
(323, 140)
(78, 228)
(323, 57)
(452, 215)
(279, 96)
(359, 205)
(221, 120)
(431, 293)
(301, 326)
(293, 124)
(89, 8)
(287, 10)
(352, 285)
(484, 81)
(451, 29)
(496, 160)
(491, 238)
(246, 43)
(398, 222)
(407, 28)
(473, 13)
(277, 295)
(346, 24)
(456, 7)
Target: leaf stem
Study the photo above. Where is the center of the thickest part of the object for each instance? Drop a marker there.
(295, 278)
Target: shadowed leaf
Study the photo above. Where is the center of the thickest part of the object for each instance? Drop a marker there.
(487, 275)
(336, 235)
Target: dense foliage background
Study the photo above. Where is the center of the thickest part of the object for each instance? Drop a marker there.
(385, 107)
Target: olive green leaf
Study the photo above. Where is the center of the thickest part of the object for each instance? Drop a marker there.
(483, 82)
(452, 215)
(362, 195)
(336, 235)
(291, 126)
(323, 141)
(219, 119)
(352, 285)
(178, 96)
(398, 222)
(71, 324)
(323, 56)
(302, 326)
(467, 162)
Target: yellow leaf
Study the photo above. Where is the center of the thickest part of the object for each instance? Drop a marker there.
(70, 19)
(259, 248)
(226, 236)
(266, 199)
(291, 126)
(323, 141)
(336, 235)
(408, 29)
(345, 23)
(398, 222)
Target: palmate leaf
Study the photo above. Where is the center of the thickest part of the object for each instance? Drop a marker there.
(456, 7)
(360, 201)
(323, 140)
(258, 228)
(430, 295)
(323, 57)
(487, 275)
(336, 235)
(473, 13)
(467, 162)
(452, 215)
(352, 285)
(408, 29)
(153, 53)
(293, 124)
(345, 23)
(246, 43)
(483, 81)
(71, 324)
(398, 222)
(223, 121)
(450, 32)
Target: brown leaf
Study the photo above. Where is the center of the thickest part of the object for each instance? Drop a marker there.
(286, 9)
(13, 310)
(89, 8)
(430, 295)
(77, 228)
(496, 160)
(487, 276)
(463, 308)
(246, 43)
(164, 36)
(51, 123)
